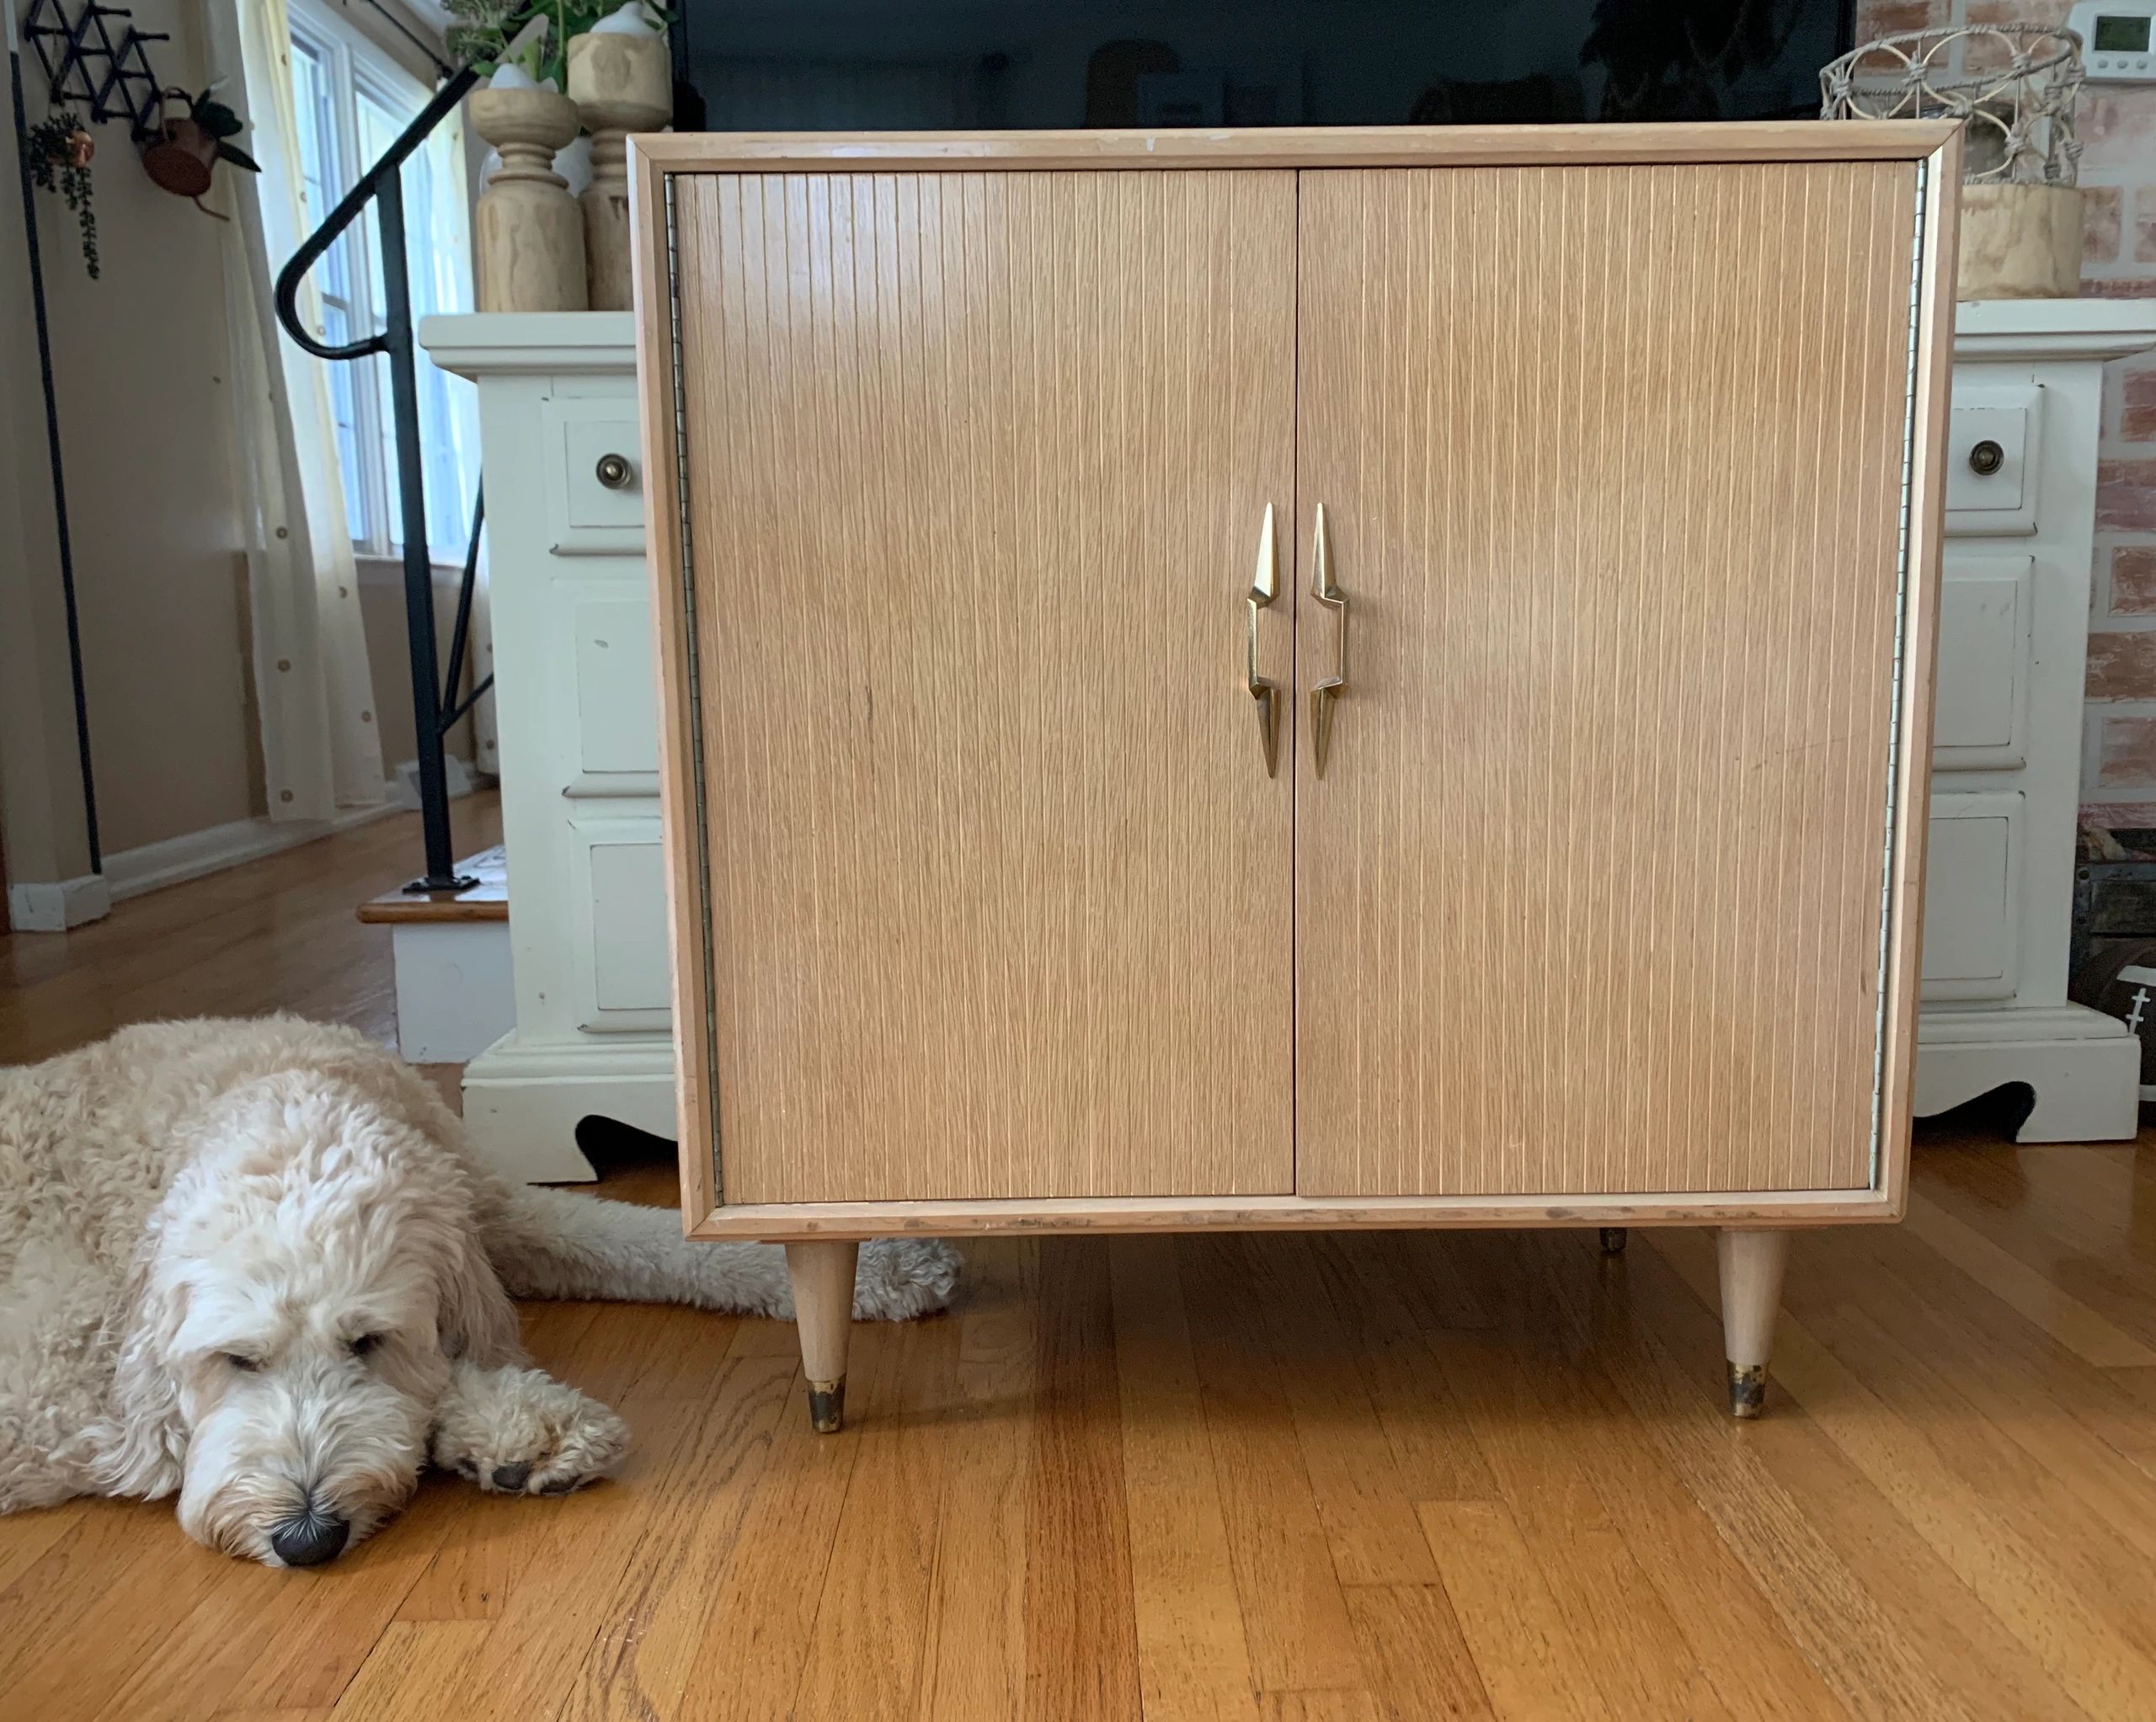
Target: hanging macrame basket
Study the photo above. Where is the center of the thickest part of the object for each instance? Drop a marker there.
(2013, 86)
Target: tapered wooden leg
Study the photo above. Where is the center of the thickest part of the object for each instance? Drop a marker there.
(823, 1308)
(1752, 1264)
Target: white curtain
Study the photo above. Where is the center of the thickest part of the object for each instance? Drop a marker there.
(321, 745)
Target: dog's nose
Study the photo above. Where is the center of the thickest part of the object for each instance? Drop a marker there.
(310, 1537)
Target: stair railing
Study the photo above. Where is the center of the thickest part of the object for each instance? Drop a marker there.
(435, 708)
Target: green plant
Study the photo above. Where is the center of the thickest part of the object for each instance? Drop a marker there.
(59, 149)
(220, 122)
(480, 31)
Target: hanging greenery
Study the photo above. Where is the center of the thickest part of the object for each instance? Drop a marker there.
(60, 149)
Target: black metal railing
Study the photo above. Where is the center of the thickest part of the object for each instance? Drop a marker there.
(435, 707)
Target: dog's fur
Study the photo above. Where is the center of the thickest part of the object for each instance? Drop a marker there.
(256, 1264)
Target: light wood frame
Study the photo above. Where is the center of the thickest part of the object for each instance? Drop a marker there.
(1935, 146)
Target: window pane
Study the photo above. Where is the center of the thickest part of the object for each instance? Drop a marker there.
(337, 325)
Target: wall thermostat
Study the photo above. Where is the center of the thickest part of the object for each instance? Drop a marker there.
(2118, 40)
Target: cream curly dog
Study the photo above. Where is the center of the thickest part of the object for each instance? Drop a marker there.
(255, 1263)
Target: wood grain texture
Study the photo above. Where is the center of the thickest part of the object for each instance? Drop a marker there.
(1293, 146)
(1000, 890)
(1266, 1213)
(1930, 399)
(685, 848)
(1588, 899)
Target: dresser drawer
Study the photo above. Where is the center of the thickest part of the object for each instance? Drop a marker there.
(1972, 891)
(1986, 610)
(616, 697)
(619, 904)
(595, 475)
(1992, 461)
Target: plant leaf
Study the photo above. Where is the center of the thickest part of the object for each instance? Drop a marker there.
(238, 156)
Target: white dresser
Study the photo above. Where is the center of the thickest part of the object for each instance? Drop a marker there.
(575, 687)
(2013, 634)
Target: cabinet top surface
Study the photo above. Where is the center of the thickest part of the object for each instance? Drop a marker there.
(551, 342)
(1296, 147)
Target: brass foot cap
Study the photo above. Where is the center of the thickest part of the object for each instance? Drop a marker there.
(827, 1405)
(1613, 1239)
(1747, 1390)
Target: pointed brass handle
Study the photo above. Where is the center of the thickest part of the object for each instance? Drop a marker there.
(1264, 586)
(1323, 695)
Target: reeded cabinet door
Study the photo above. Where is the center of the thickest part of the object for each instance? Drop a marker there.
(998, 888)
(1589, 895)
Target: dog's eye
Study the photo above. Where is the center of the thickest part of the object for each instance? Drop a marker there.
(364, 1343)
(245, 1365)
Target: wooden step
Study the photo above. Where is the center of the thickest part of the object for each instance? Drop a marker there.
(486, 901)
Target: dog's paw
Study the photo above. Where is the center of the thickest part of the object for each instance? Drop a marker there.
(520, 1432)
(900, 1279)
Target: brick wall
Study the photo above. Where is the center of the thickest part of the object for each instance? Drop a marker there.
(2117, 126)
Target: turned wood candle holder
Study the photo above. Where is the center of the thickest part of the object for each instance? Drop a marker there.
(528, 229)
(621, 84)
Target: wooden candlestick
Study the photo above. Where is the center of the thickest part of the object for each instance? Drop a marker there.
(621, 84)
(528, 229)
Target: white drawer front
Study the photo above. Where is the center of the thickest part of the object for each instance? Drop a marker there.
(1973, 891)
(586, 515)
(1992, 461)
(1986, 609)
(616, 696)
(619, 876)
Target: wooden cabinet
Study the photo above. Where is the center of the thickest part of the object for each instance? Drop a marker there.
(1295, 678)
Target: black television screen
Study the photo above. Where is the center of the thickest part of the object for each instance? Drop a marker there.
(1026, 65)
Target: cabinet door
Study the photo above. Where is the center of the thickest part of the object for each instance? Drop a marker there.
(999, 889)
(1589, 896)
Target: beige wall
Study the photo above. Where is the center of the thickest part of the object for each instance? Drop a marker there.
(140, 360)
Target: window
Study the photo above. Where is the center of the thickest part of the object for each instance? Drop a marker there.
(353, 101)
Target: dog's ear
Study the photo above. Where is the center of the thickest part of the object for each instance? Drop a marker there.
(142, 1445)
(475, 1319)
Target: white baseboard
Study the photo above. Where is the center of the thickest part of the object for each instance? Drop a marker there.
(54, 905)
(176, 860)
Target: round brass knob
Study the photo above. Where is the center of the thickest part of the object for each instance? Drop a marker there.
(614, 471)
(1986, 458)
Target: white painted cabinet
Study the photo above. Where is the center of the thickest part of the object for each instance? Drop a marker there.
(578, 742)
(2006, 760)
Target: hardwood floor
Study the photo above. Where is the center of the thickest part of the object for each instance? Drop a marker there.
(1323, 1478)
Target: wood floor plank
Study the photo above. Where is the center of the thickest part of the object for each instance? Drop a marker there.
(974, 1659)
(1501, 1379)
(1294, 1617)
(259, 1638)
(1929, 1468)
(1530, 1664)
(2075, 1326)
(418, 1668)
(873, 1612)
(1192, 1658)
(1081, 1632)
(642, 1665)
(1835, 1620)
(27, 1538)
(1735, 1637)
(763, 1610)
(1362, 1499)
(1356, 1705)
(1433, 1449)
(1418, 1665)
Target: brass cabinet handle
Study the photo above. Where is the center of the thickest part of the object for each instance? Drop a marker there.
(1327, 692)
(1986, 458)
(1264, 586)
(614, 471)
